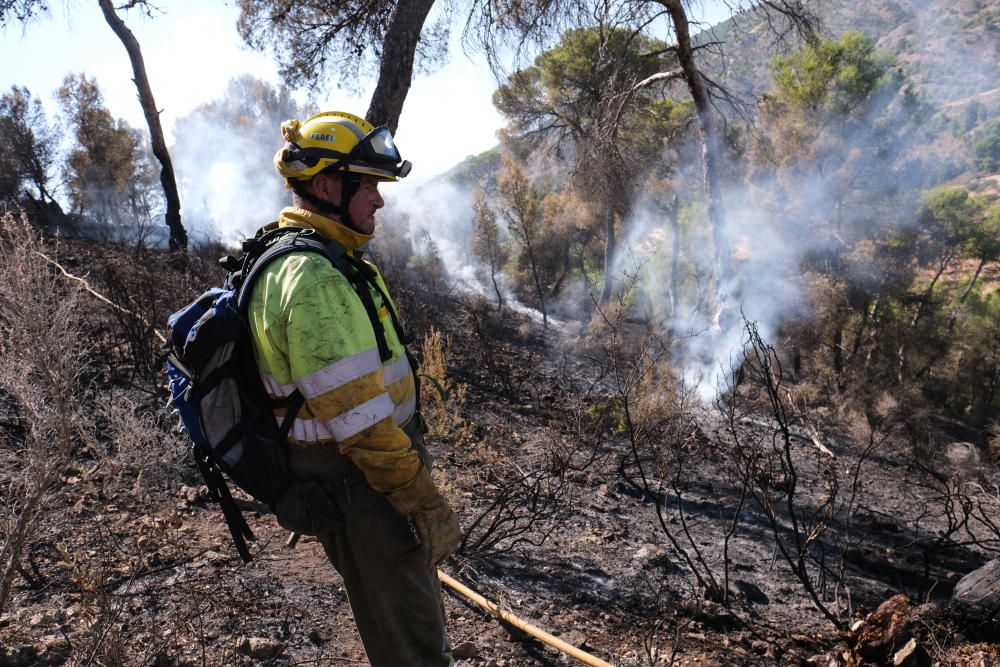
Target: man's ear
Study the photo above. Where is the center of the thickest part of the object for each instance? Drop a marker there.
(327, 186)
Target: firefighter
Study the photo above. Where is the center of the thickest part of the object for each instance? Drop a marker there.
(364, 487)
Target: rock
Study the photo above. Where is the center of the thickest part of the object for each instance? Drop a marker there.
(962, 457)
(717, 617)
(190, 495)
(55, 649)
(911, 655)
(824, 660)
(465, 650)
(649, 554)
(575, 638)
(18, 656)
(260, 648)
(315, 637)
(972, 656)
(977, 594)
(41, 619)
(751, 592)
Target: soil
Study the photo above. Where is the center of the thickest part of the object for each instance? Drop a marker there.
(135, 565)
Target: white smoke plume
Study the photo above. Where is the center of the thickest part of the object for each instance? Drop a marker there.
(222, 155)
(439, 214)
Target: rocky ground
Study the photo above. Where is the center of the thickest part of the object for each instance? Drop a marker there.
(133, 564)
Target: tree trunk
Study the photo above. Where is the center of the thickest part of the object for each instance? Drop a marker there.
(178, 235)
(709, 146)
(538, 282)
(496, 288)
(609, 255)
(918, 315)
(866, 314)
(838, 352)
(977, 595)
(396, 68)
(952, 319)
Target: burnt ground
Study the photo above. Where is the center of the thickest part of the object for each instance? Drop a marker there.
(133, 564)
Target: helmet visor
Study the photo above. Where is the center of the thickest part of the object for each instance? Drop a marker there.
(377, 149)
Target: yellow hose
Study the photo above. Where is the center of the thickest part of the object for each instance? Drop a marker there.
(555, 642)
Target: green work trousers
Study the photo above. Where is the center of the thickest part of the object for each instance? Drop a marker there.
(395, 596)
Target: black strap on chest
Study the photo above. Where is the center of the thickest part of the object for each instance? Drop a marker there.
(363, 278)
(366, 277)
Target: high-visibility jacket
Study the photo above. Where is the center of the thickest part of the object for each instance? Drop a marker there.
(312, 332)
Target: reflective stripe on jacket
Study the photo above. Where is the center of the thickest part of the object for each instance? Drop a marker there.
(312, 332)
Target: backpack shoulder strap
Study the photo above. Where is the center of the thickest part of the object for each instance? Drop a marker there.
(292, 241)
(296, 239)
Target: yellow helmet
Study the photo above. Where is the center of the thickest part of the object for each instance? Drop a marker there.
(336, 140)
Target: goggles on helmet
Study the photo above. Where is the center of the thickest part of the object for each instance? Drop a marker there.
(376, 151)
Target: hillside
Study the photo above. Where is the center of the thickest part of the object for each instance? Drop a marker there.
(946, 52)
(664, 557)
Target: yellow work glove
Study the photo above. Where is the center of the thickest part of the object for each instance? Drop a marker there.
(436, 523)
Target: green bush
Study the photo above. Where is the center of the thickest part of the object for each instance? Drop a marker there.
(987, 149)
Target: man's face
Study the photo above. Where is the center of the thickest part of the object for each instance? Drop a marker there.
(364, 203)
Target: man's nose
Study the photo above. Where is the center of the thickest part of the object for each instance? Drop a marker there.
(378, 202)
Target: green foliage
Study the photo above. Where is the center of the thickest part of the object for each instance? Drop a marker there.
(987, 148)
(581, 92)
(28, 147)
(576, 73)
(109, 172)
(837, 77)
(837, 127)
(611, 412)
(521, 207)
(580, 68)
(478, 169)
(970, 116)
(589, 107)
(488, 243)
(987, 18)
(954, 218)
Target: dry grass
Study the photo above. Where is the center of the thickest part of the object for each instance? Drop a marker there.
(43, 389)
(442, 398)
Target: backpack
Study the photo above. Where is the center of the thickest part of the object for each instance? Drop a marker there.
(217, 390)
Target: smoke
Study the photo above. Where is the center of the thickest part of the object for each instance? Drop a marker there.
(436, 220)
(226, 184)
(222, 155)
(766, 285)
(787, 225)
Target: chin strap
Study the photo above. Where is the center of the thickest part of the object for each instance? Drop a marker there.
(349, 184)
